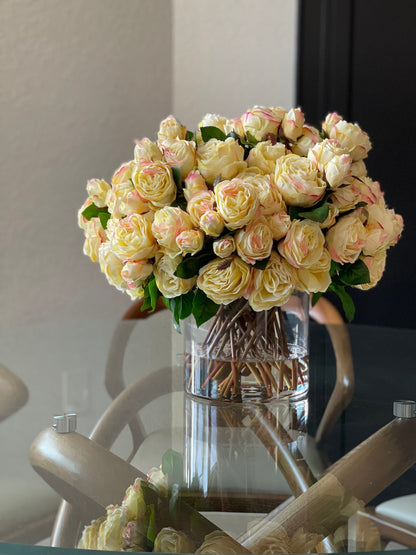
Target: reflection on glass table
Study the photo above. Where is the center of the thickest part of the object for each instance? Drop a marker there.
(233, 466)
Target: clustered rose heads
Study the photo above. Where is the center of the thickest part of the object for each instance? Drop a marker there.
(255, 207)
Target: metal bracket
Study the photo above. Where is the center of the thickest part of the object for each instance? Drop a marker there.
(65, 423)
(404, 408)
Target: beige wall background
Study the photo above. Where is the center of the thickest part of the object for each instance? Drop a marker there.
(80, 80)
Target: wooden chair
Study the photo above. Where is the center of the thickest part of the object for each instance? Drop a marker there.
(13, 393)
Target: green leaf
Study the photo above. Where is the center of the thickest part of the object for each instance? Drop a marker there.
(189, 136)
(174, 310)
(318, 214)
(176, 173)
(234, 135)
(183, 305)
(190, 265)
(346, 300)
(354, 274)
(181, 202)
(315, 297)
(261, 264)
(334, 267)
(172, 465)
(211, 132)
(203, 308)
(217, 180)
(151, 294)
(322, 135)
(251, 141)
(151, 530)
(93, 211)
(104, 217)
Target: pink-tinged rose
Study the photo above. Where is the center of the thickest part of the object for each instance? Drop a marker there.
(159, 480)
(198, 204)
(123, 173)
(370, 191)
(330, 121)
(168, 223)
(97, 190)
(292, 124)
(269, 196)
(309, 138)
(255, 241)
(170, 128)
(134, 503)
(154, 182)
(134, 272)
(237, 202)
(123, 200)
(215, 120)
(211, 223)
(146, 151)
(352, 138)
(376, 266)
(358, 169)
(90, 534)
(168, 284)
(132, 238)
(95, 235)
(224, 280)
(260, 122)
(83, 222)
(224, 247)
(345, 198)
(190, 241)
(278, 113)
(298, 181)
(194, 183)
(264, 155)
(383, 229)
(279, 224)
(225, 158)
(134, 536)
(272, 286)
(110, 536)
(181, 154)
(111, 266)
(331, 218)
(169, 540)
(332, 161)
(317, 277)
(303, 245)
(346, 239)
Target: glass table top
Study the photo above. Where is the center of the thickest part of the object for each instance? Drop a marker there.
(251, 470)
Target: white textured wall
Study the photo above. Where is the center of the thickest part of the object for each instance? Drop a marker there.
(232, 54)
(80, 80)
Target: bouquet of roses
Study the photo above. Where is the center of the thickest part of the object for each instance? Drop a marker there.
(251, 208)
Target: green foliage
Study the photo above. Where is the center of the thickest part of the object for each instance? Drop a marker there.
(151, 294)
(190, 265)
(189, 136)
(172, 465)
(104, 217)
(203, 308)
(318, 213)
(354, 274)
(315, 297)
(93, 211)
(176, 173)
(261, 264)
(346, 300)
(211, 132)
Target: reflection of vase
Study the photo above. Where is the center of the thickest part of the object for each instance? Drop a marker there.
(240, 354)
(242, 457)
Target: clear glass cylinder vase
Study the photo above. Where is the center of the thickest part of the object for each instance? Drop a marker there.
(240, 354)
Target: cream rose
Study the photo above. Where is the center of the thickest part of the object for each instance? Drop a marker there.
(169, 222)
(269, 196)
(212, 223)
(298, 182)
(90, 534)
(181, 154)
(123, 200)
(346, 239)
(97, 190)
(133, 502)
(123, 173)
(134, 537)
(225, 280)
(147, 151)
(358, 169)
(168, 284)
(255, 241)
(260, 122)
(214, 120)
(332, 161)
(370, 191)
(198, 204)
(95, 235)
(309, 138)
(330, 121)
(279, 224)
(264, 155)
(317, 277)
(132, 238)
(331, 218)
(111, 266)
(272, 286)
(303, 245)
(83, 222)
(237, 202)
(352, 138)
(383, 229)
(292, 124)
(190, 241)
(224, 247)
(110, 536)
(376, 266)
(225, 158)
(154, 183)
(134, 272)
(345, 198)
(170, 540)
(220, 543)
(159, 480)
(170, 128)
(194, 183)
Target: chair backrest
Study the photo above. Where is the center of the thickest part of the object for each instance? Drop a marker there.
(13, 393)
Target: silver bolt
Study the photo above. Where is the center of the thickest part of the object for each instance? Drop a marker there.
(404, 408)
(65, 423)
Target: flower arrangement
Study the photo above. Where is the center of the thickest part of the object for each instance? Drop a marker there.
(253, 207)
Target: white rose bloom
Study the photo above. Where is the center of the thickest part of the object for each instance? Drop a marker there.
(279, 224)
(260, 122)
(317, 277)
(332, 161)
(255, 241)
(147, 151)
(298, 181)
(132, 238)
(168, 284)
(272, 286)
(181, 154)
(170, 128)
(97, 190)
(95, 235)
(225, 158)
(168, 223)
(111, 266)
(225, 280)
(309, 138)
(376, 266)
(292, 124)
(154, 183)
(303, 245)
(346, 239)
(194, 183)
(264, 155)
(212, 223)
(270, 198)
(237, 202)
(352, 138)
(224, 247)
